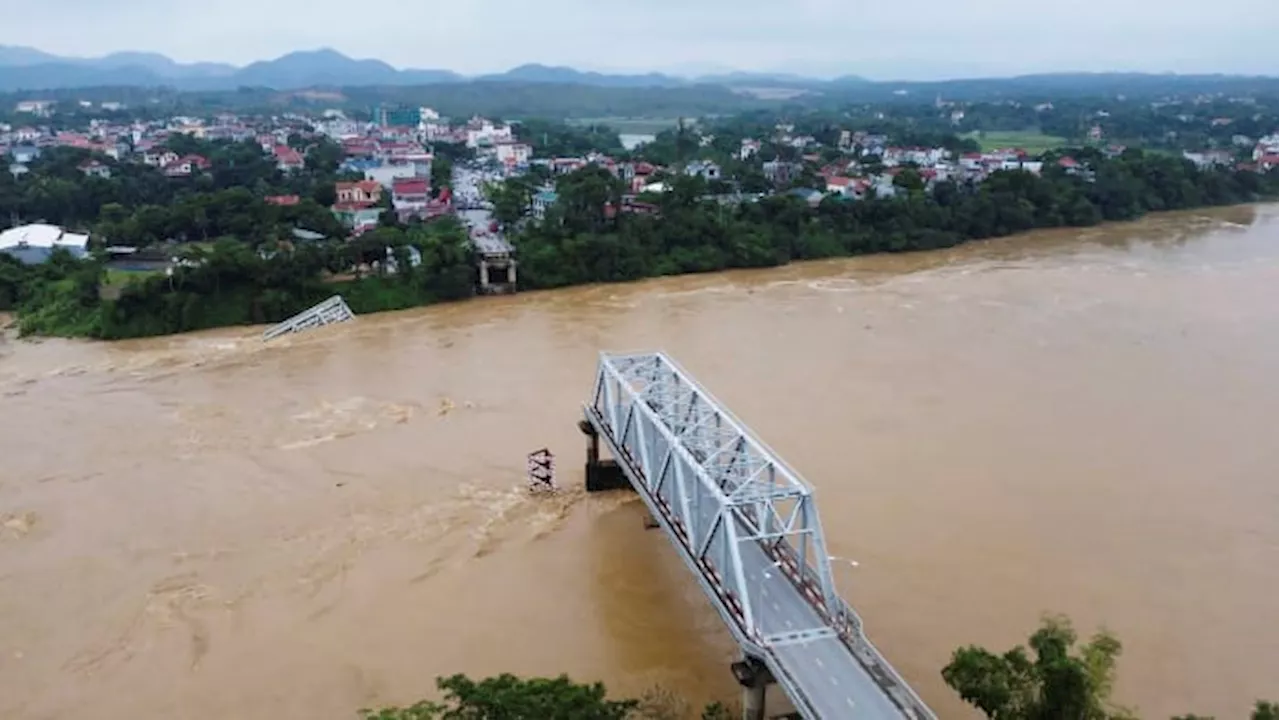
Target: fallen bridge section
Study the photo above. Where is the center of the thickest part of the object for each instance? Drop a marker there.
(747, 526)
(330, 311)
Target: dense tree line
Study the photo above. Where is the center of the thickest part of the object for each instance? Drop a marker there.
(557, 139)
(583, 240)
(229, 282)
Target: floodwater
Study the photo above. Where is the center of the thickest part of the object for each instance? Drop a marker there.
(204, 527)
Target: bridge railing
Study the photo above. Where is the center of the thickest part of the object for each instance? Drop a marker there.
(717, 486)
(330, 311)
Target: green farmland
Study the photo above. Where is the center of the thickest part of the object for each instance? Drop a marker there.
(1033, 141)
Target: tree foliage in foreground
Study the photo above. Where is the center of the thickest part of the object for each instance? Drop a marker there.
(507, 697)
(1061, 682)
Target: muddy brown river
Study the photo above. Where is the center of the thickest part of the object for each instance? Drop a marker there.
(207, 527)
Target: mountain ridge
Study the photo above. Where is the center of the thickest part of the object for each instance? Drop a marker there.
(27, 68)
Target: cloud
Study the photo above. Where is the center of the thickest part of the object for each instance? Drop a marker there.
(909, 40)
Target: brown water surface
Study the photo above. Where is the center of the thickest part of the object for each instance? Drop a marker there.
(1083, 422)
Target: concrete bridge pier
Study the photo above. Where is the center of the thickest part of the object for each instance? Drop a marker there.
(601, 474)
(754, 678)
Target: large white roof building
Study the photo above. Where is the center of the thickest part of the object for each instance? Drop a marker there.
(34, 243)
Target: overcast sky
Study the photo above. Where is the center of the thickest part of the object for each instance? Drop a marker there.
(881, 39)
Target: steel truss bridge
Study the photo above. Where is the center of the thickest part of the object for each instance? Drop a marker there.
(747, 526)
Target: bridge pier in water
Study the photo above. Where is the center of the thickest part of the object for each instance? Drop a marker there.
(601, 474)
(754, 677)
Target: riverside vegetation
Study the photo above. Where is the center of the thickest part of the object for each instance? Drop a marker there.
(241, 267)
(1054, 680)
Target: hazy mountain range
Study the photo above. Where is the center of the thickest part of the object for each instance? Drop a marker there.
(25, 68)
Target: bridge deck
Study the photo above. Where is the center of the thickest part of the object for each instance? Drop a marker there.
(744, 524)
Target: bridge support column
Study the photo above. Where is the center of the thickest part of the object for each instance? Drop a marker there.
(601, 474)
(754, 677)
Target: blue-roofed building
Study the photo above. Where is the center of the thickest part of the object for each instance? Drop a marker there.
(23, 154)
(543, 200)
(360, 165)
(809, 195)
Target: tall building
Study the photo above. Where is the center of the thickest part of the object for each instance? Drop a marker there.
(396, 117)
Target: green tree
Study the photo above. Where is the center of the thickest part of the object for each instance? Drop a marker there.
(1061, 682)
(507, 697)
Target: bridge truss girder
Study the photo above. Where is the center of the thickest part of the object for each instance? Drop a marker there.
(721, 485)
(716, 487)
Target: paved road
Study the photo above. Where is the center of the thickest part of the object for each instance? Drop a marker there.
(835, 684)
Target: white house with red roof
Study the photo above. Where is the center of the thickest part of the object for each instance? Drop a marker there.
(409, 197)
(186, 166)
(288, 159)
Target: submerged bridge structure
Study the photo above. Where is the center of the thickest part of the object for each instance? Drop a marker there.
(333, 310)
(747, 526)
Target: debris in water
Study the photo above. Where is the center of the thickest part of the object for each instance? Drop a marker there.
(18, 525)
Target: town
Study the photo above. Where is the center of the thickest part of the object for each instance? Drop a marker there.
(152, 194)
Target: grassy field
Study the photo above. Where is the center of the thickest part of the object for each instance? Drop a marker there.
(630, 126)
(115, 280)
(1033, 141)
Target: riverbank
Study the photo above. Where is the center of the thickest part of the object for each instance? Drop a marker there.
(579, 244)
(243, 307)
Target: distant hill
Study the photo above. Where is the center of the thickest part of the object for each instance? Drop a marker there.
(30, 69)
(23, 68)
(331, 68)
(568, 76)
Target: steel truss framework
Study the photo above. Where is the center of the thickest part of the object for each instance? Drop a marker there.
(715, 487)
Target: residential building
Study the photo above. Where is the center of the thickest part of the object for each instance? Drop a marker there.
(288, 159)
(282, 200)
(542, 201)
(362, 191)
(159, 157)
(24, 154)
(704, 169)
(39, 108)
(33, 244)
(839, 185)
(1209, 158)
(357, 216)
(512, 153)
(186, 166)
(779, 172)
(481, 132)
(387, 175)
(93, 168)
(25, 135)
(409, 197)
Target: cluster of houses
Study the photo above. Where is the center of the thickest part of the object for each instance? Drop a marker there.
(145, 142)
(868, 165)
(392, 158)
